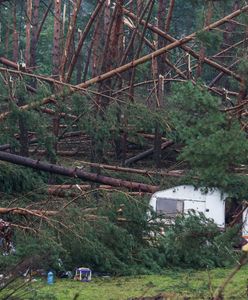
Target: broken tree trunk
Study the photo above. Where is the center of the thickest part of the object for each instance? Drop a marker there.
(187, 48)
(76, 173)
(176, 43)
(146, 153)
(121, 69)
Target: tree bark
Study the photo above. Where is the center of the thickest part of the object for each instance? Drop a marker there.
(15, 35)
(121, 69)
(35, 22)
(26, 212)
(56, 37)
(82, 39)
(76, 173)
(28, 32)
(69, 38)
(187, 48)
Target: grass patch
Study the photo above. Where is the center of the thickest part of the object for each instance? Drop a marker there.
(195, 284)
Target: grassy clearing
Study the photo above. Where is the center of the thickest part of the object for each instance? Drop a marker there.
(191, 283)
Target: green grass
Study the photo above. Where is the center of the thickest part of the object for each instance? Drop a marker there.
(191, 283)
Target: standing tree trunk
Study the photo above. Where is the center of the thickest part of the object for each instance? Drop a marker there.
(69, 39)
(55, 71)
(34, 37)
(159, 72)
(28, 32)
(56, 38)
(15, 35)
(23, 126)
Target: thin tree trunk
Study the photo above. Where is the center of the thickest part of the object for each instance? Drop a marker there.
(15, 35)
(183, 41)
(82, 39)
(169, 16)
(28, 32)
(69, 38)
(137, 54)
(43, 21)
(56, 37)
(35, 23)
(128, 66)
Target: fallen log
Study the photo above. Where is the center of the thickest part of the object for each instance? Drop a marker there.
(63, 191)
(7, 146)
(8, 63)
(146, 153)
(43, 213)
(76, 173)
(24, 211)
(80, 187)
(35, 140)
(173, 173)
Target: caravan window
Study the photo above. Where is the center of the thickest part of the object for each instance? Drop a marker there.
(169, 207)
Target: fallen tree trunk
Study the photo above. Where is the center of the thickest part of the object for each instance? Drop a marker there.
(24, 211)
(134, 63)
(175, 173)
(7, 146)
(63, 191)
(150, 56)
(182, 46)
(8, 63)
(35, 140)
(146, 153)
(80, 187)
(76, 173)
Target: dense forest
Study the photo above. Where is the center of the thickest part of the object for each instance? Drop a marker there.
(103, 103)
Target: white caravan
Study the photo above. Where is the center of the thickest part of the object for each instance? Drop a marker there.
(182, 199)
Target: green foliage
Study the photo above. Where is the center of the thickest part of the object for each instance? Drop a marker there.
(14, 179)
(110, 242)
(39, 250)
(105, 128)
(210, 39)
(195, 241)
(243, 70)
(214, 144)
(111, 245)
(116, 243)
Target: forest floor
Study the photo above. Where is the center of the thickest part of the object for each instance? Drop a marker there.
(177, 284)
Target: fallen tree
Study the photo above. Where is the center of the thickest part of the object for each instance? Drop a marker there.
(146, 153)
(25, 212)
(174, 44)
(172, 173)
(76, 173)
